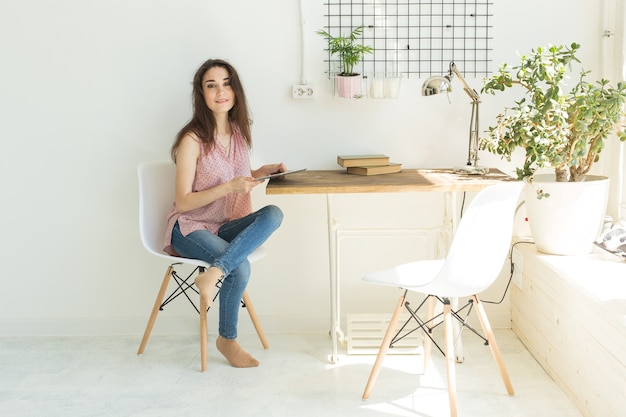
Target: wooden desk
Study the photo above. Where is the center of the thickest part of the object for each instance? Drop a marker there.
(331, 182)
(408, 180)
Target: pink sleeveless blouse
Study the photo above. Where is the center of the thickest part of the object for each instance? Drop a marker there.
(214, 167)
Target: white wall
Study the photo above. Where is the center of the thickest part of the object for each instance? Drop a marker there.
(89, 89)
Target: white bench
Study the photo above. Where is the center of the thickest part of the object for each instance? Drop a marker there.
(570, 312)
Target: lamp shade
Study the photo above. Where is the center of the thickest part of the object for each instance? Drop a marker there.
(437, 84)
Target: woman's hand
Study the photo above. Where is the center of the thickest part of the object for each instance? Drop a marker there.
(269, 170)
(243, 185)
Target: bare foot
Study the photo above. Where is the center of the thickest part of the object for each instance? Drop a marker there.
(206, 282)
(234, 354)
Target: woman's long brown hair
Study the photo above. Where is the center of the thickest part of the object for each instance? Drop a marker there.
(202, 123)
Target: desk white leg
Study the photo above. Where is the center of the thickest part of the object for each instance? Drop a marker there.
(452, 212)
(334, 285)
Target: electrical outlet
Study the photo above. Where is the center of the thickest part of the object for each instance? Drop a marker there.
(303, 91)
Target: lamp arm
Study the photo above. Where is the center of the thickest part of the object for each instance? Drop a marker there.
(472, 151)
(470, 91)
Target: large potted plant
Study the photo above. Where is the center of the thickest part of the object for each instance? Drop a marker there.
(564, 129)
(350, 53)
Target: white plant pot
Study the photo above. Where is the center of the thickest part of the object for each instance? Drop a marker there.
(349, 87)
(569, 220)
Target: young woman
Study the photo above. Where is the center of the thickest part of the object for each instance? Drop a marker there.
(212, 217)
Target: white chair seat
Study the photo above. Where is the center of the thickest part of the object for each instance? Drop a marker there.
(410, 275)
(258, 254)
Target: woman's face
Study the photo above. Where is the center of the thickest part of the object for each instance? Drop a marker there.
(218, 95)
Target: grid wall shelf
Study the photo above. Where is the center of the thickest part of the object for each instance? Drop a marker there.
(415, 37)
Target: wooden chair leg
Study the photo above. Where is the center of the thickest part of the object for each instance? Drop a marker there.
(428, 343)
(459, 356)
(391, 330)
(448, 329)
(155, 310)
(495, 351)
(255, 320)
(203, 335)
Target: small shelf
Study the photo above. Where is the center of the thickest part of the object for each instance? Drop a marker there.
(376, 86)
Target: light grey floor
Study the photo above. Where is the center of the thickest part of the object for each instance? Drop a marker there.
(104, 377)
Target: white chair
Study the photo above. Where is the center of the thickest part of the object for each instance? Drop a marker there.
(478, 250)
(156, 195)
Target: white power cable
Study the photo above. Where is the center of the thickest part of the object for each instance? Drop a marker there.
(303, 52)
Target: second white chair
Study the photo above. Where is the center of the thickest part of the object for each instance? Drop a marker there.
(478, 250)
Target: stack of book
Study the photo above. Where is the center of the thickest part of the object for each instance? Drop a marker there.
(368, 164)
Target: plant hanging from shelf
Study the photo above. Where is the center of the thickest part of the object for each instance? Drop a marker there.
(350, 52)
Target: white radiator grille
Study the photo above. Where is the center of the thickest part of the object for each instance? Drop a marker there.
(366, 333)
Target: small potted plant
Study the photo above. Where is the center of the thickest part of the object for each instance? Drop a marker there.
(350, 53)
(561, 129)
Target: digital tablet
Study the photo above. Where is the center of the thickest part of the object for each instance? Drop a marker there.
(279, 174)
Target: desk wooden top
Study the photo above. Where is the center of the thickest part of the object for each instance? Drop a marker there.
(339, 182)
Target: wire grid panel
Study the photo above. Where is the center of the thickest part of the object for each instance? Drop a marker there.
(418, 37)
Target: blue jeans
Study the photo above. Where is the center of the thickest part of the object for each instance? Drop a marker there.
(229, 250)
